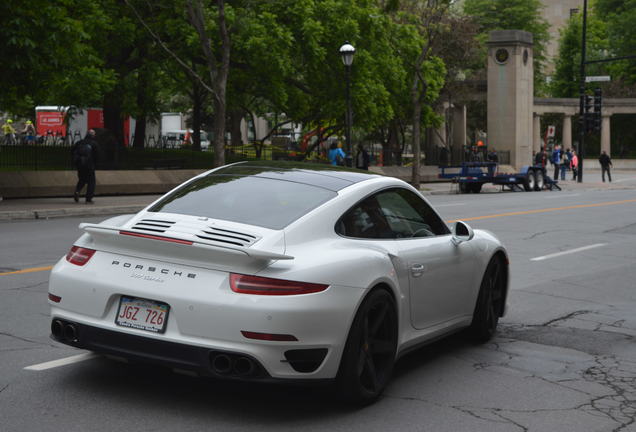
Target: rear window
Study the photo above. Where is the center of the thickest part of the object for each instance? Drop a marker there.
(256, 201)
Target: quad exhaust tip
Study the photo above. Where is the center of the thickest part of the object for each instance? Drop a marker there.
(243, 366)
(232, 365)
(57, 329)
(64, 331)
(222, 364)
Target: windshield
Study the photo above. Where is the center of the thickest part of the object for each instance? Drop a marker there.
(259, 201)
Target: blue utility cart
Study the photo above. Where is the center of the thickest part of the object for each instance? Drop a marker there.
(471, 176)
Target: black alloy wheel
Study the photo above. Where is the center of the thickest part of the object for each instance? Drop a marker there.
(489, 302)
(369, 355)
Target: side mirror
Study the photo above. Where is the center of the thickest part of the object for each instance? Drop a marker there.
(462, 233)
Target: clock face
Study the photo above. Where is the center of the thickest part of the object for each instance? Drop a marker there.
(501, 55)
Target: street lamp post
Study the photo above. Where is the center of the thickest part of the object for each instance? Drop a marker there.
(347, 51)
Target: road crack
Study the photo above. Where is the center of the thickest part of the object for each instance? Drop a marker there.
(26, 340)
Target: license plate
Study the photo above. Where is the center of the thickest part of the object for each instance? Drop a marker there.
(142, 314)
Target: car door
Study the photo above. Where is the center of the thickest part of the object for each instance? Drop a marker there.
(439, 272)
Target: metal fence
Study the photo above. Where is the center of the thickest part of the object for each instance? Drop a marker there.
(54, 153)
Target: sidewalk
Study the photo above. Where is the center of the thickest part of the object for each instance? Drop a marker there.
(45, 208)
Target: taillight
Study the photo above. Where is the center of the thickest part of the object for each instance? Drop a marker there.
(245, 284)
(269, 336)
(55, 298)
(79, 255)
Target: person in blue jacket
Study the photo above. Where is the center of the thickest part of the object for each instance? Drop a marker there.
(336, 155)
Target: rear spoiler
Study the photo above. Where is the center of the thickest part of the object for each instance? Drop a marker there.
(113, 231)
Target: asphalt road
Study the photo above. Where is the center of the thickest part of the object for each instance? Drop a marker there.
(563, 360)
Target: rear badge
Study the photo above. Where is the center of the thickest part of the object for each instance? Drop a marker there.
(141, 270)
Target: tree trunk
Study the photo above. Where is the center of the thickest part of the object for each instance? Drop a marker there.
(113, 120)
(140, 132)
(236, 116)
(218, 73)
(197, 106)
(220, 85)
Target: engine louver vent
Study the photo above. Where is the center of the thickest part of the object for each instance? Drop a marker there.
(227, 236)
(153, 225)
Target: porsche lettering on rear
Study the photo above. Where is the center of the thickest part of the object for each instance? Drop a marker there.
(153, 269)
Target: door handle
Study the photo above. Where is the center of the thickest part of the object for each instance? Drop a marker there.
(418, 269)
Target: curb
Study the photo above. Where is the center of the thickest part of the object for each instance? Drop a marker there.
(68, 212)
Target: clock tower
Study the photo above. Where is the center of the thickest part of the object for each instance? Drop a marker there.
(511, 94)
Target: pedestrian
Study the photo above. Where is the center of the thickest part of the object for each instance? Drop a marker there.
(29, 132)
(565, 162)
(492, 156)
(556, 160)
(336, 155)
(541, 158)
(606, 163)
(9, 132)
(85, 156)
(362, 158)
(575, 165)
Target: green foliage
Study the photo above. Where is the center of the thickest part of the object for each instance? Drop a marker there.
(619, 17)
(47, 57)
(512, 15)
(565, 82)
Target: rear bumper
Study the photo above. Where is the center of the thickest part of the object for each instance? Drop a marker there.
(204, 312)
(203, 361)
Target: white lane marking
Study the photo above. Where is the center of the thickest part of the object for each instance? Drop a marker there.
(448, 205)
(571, 251)
(561, 196)
(62, 362)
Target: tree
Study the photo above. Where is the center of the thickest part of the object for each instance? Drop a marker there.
(619, 17)
(47, 58)
(565, 82)
(512, 15)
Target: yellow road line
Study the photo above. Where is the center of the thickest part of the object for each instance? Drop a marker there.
(29, 270)
(526, 212)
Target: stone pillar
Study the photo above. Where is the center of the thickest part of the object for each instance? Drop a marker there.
(605, 134)
(536, 133)
(511, 94)
(567, 132)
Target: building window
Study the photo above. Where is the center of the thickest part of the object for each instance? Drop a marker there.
(574, 12)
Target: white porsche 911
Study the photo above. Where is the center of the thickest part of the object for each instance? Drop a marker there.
(294, 272)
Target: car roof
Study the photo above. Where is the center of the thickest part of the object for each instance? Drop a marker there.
(325, 176)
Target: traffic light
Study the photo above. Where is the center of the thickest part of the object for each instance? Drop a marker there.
(589, 100)
(598, 100)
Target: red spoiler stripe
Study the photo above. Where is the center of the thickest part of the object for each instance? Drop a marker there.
(155, 237)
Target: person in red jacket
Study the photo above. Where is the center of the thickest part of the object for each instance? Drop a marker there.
(575, 165)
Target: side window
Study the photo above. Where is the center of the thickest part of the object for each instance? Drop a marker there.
(409, 215)
(393, 213)
(365, 220)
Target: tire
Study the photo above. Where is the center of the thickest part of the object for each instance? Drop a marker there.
(489, 305)
(369, 354)
(463, 188)
(528, 181)
(539, 180)
(476, 188)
